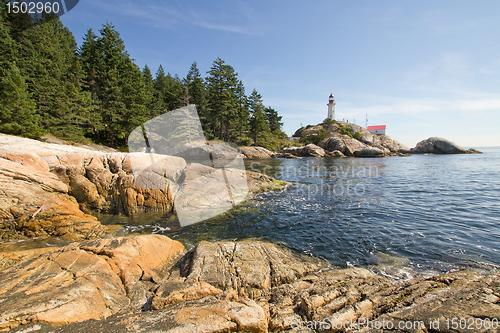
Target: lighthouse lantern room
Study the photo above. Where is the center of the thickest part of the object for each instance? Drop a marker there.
(331, 107)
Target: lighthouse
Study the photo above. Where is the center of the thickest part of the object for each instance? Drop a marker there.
(331, 107)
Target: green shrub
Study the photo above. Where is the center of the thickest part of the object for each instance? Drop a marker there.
(329, 121)
(315, 138)
(345, 130)
(357, 136)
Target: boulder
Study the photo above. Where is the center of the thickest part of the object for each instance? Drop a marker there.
(119, 182)
(436, 145)
(284, 155)
(90, 280)
(206, 192)
(369, 152)
(335, 153)
(256, 152)
(333, 144)
(340, 131)
(310, 150)
(258, 182)
(473, 151)
(351, 147)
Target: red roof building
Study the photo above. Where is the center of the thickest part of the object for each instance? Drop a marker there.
(379, 129)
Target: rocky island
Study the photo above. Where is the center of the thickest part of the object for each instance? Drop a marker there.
(339, 139)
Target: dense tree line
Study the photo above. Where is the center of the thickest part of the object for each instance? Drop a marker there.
(50, 85)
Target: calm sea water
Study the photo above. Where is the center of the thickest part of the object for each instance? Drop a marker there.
(424, 213)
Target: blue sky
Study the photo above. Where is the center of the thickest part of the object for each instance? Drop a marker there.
(423, 68)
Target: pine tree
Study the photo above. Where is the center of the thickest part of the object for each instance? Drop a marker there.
(258, 119)
(222, 100)
(173, 94)
(242, 110)
(160, 86)
(273, 119)
(149, 89)
(47, 58)
(116, 85)
(197, 93)
(17, 108)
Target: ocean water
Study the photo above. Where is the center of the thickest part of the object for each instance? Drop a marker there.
(400, 216)
(421, 213)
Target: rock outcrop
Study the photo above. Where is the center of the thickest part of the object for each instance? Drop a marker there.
(473, 151)
(257, 152)
(352, 147)
(52, 190)
(436, 145)
(90, 280)
(261, 152)
(136, 285)
(34, 202)
(310, 150)
(352, 140)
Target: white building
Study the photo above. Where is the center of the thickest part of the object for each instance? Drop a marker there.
(379, 129)
(331, 107)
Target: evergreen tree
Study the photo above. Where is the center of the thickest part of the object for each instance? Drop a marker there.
(48, 60)
(160, 86)
(174, 93)
(197, 92)
(17, 109)
(149, 88)
(242, 111)
(258, 119)
(222, 100)
(273, 119)
(116, 84)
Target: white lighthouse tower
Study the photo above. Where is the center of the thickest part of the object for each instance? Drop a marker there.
(331, 107)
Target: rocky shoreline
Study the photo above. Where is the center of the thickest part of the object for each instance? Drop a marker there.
(151, 283)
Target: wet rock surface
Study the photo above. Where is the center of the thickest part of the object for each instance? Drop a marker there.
(244, 286)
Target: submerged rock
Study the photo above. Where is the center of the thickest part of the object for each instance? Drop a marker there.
(436, 145)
